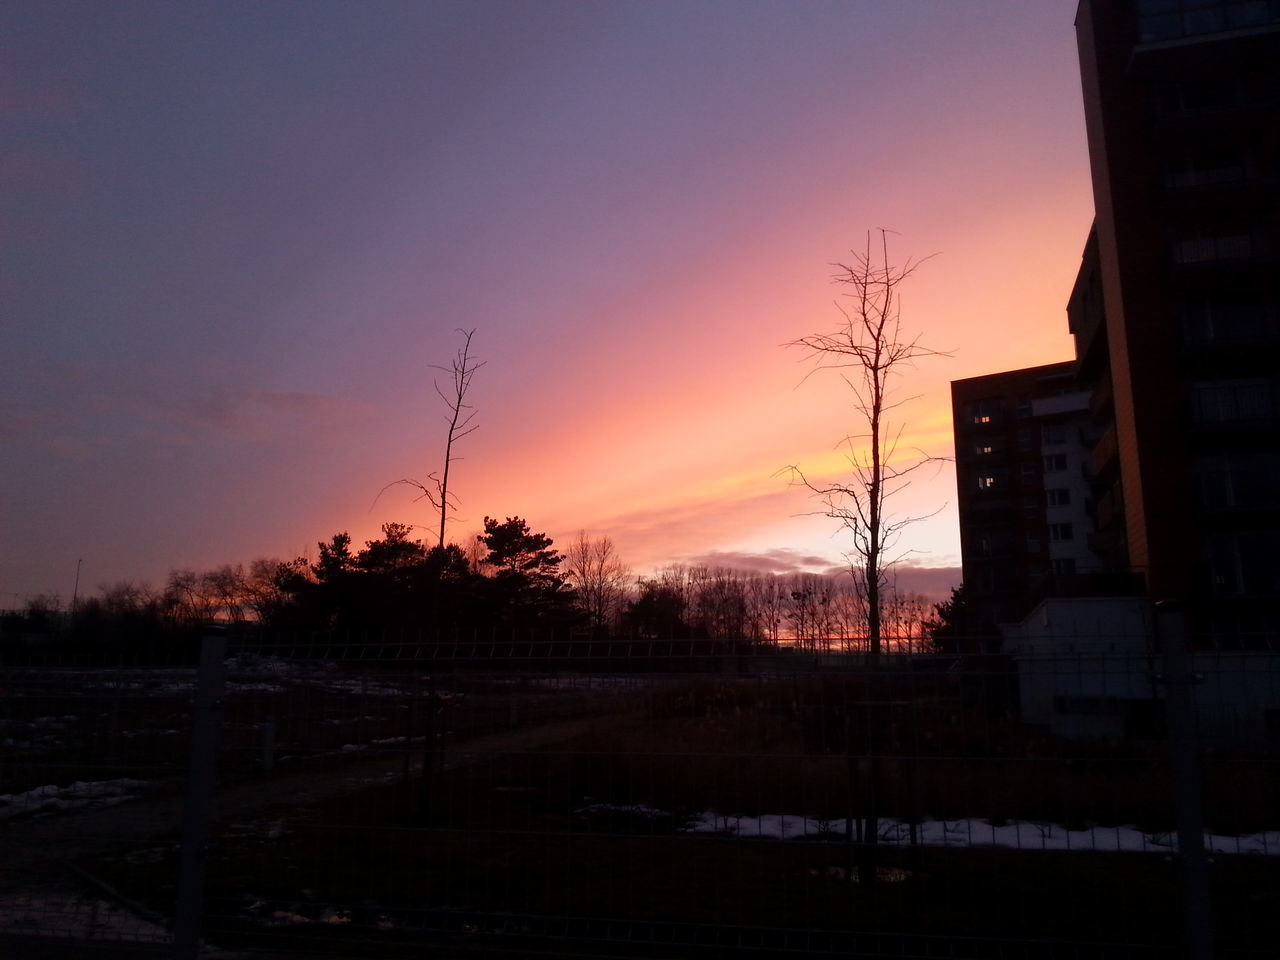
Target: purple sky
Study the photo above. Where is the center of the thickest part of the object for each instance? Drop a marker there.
(237, 235)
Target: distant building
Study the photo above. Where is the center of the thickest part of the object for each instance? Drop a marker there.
(1022, 443)
(1176, 318)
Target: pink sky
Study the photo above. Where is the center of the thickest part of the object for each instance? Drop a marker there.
(239, 247)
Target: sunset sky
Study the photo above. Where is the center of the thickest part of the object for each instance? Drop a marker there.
(236, 236)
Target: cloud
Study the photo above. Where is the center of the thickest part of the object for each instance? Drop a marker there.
(779, 560)
(85, 402)
(655, 537)
(261, 414)
(932, 582)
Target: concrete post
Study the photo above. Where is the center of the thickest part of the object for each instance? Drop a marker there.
(1179, 680)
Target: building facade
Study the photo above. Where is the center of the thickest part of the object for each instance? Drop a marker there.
(1175, 313)
(1022, 446)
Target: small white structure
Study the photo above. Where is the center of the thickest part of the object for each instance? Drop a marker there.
(1084, 664)
(1091, 667)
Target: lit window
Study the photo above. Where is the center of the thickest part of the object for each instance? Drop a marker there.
(986, 483)
(983, 412)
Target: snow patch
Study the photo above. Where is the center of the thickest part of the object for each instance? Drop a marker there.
(52, 798)
(1014, 835)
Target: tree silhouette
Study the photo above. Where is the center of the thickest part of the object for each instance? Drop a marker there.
(527, 567)
(598, 576)
(459, 418)
(868, 350)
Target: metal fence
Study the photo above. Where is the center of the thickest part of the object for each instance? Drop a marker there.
(498, 795)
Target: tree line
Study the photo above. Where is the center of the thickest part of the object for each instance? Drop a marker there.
(506, 577)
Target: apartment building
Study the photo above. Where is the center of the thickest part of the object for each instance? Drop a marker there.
(1022, 447)
(1176, 313)
(1175, 411)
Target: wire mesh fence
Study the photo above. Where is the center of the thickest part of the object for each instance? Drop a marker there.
(513, 795)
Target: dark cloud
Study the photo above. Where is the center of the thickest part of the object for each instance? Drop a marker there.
(779, 560)
(931, 582)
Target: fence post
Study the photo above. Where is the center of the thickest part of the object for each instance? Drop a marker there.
(1170, 631)
(206, 716)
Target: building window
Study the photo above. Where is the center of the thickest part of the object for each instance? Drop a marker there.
(1172, 19)
(1064, 567)
(986, 482)
(1033, 543)
(1200, 93)
(1246, 563)
(1023, 407)
(1226, 246)
(1222, 401)
(986, 448)
(1238, 480)
(1053, 435)
(1230, 316)
(1031, 506)
(1025, 441)
(1058, 497)
(1055, 463)
(1059, 532)
(1202, 168)
(983, 412)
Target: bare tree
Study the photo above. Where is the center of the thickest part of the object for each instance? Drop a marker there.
(189, 597)
(261, 586)
(459, 417)
(225, 586)
(719, 601)
(598, 576)
(869, 350)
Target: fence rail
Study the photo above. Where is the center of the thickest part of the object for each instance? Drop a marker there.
(676, 799)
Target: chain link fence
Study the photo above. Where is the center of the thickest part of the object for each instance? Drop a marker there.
(514, 796)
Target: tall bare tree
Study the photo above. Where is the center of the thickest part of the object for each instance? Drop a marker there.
(869, 350)
(459, 417)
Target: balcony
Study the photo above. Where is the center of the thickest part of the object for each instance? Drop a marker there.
(1077, 402)
(1104, 452)
(1182, 20)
